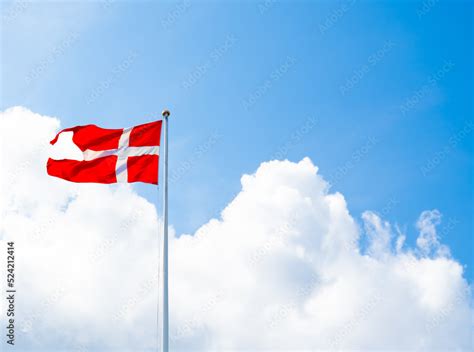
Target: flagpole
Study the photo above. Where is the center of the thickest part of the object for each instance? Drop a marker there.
(165, 325)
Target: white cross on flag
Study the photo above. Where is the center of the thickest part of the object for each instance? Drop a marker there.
(111, 155)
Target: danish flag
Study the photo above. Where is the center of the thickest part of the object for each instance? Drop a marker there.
(111, 155)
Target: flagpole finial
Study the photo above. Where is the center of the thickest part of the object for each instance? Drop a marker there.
(165, 113)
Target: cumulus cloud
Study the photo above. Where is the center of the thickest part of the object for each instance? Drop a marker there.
(282, 268)
(428, 241)
(286, 261)
(83, 252)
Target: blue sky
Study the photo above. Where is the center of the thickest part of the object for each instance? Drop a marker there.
(378, 94)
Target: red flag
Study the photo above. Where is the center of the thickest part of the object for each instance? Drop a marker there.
(111, 155)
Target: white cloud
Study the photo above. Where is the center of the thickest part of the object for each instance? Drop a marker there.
(281, 269)
(379, 233)
(428, 240)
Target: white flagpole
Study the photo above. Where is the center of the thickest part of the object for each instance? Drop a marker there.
(165, 336)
